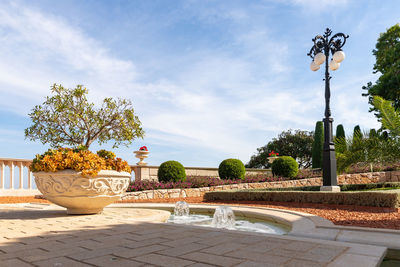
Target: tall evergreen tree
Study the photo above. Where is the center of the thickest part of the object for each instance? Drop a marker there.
(318, 144)
(387, 63)
(357, 132)
(340, 135)
(373, 133)
(340, 131)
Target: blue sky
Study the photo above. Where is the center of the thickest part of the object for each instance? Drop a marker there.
(209, 80)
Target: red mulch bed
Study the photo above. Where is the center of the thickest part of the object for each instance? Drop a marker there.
(374, 217)
(8, 200)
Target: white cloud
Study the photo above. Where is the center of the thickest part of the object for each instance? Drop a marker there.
(227, 100)
(40, 49)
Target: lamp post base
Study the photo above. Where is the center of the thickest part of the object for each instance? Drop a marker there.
(330, 188)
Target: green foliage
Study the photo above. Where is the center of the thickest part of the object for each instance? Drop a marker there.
(285, 166)
(340, 135)
(297, 144)
(340, 131)
(231, 169)
(390, 118)
(357, 132)
(106, 154)
(318, 144)
(343, 188)
(171, 171)
(366, 149)
(377, 199)
(373, 133)
(386, 52)
(67, 118)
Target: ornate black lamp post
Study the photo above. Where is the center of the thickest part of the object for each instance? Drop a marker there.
(323, 45)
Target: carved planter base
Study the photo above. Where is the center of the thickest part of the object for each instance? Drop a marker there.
(82, 195)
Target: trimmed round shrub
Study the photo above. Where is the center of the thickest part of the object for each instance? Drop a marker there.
(231, 169)
(171, 171)
(285, 166)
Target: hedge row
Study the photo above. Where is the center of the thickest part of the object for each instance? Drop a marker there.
(377, 199)
(346, 187)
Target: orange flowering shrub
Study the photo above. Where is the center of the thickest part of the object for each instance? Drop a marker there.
(80, 160)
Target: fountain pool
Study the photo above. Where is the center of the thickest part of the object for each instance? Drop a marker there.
(241, 223)
(224, 217)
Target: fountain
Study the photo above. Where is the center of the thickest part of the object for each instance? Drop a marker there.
(181, 209)
(223, 218)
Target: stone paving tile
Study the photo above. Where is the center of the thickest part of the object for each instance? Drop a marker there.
(115, 237)
(60, 262)
(367, 250)
(264, 246)
(77, 238)
(53, 254)
(182, 241)
(23, 253)
(95, 253)
(144, 243)
(321, 258)
(198, 264)
(162, 260)
(354, 260)
(257, 264)
(323, 254)
(15, 263)
(12, 247)
(259, 257)
(211, 259)
(303, 263)
(223, 248)
(187, 248)
(111, 260)
(140, 237)
(130, 253)
(52, 245)
(300, 246)
(283, 252)
(217, 240)
(251, 240)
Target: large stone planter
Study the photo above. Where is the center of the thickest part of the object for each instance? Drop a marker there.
(82, 195)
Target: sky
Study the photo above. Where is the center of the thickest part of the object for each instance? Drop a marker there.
(209, 80)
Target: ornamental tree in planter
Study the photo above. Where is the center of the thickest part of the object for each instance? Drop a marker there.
(77, 179)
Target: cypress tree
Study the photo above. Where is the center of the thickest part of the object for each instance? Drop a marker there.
(318, 144)
(373, 133)
(340, 131)
(357, 132)
(340, 135)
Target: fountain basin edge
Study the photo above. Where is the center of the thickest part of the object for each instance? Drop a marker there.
(296, 222)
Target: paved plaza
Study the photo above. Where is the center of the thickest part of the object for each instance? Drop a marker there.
(43, 235)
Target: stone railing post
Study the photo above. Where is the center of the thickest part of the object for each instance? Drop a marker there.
(2, 174)
(7, 180)
(11, 175)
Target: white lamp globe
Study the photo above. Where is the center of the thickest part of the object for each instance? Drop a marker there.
(333, 65)
(319, 58)
(313, 66)
(338, 56)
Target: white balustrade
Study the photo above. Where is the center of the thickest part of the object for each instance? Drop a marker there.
(7, 180)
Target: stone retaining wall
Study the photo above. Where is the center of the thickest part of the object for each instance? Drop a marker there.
(357, 178)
